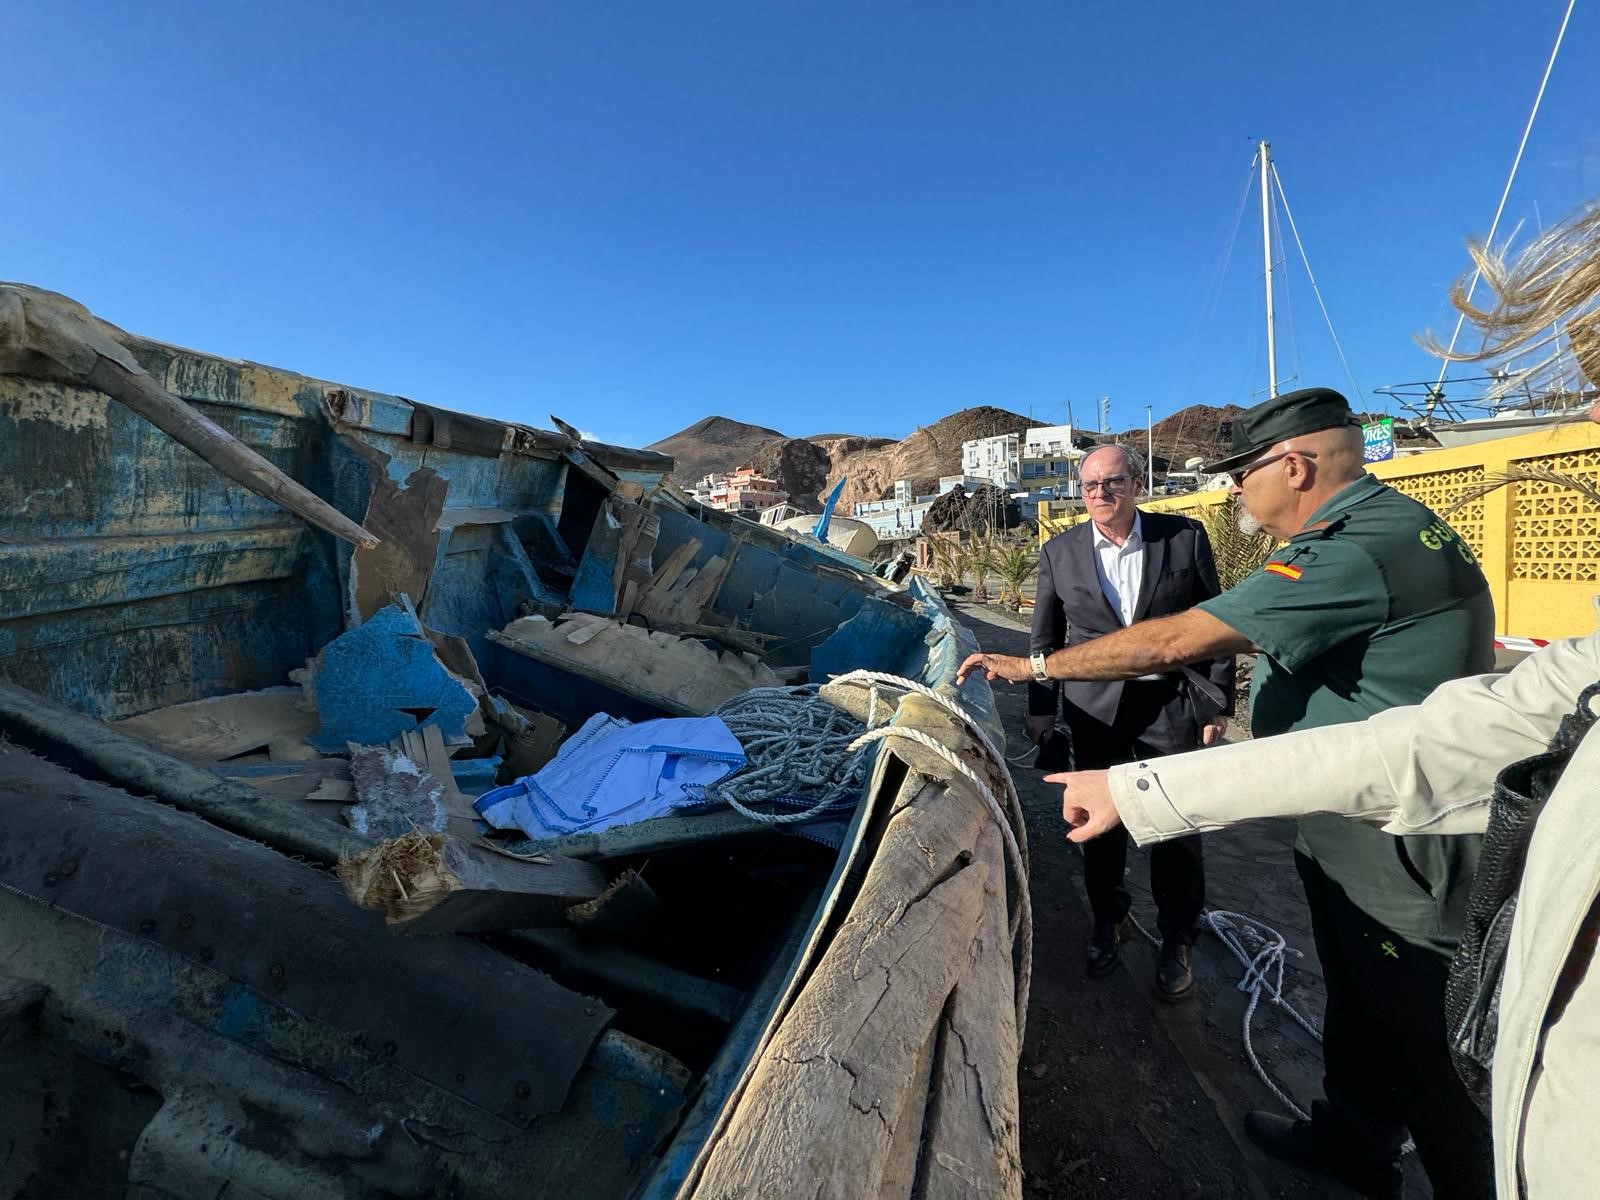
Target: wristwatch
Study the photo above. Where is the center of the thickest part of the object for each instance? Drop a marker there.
(1036, 661)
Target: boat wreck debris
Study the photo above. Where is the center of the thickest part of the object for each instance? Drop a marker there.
(428, 883)
(539, 834)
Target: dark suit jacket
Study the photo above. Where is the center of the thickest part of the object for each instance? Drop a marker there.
(1070, 608)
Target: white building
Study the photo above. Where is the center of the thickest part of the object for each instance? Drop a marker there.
(997, 460)
(1048, 441)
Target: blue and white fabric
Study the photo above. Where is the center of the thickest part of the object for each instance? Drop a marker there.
(615, 772)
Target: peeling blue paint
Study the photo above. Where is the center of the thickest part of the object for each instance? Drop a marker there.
(882, 635)
(380, 680)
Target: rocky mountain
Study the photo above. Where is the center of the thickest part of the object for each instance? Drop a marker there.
(808, 467)
(713, 444)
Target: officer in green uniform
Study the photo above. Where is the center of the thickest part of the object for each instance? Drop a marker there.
(1372, 602)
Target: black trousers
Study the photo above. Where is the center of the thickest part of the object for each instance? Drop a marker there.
(1177, 867)
(1386, 1065)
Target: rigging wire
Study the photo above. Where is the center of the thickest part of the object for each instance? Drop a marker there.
(1279, 257)
(1506, 192)
(1219, 277)
(1315, 290)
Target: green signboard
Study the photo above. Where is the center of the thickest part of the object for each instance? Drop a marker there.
(1377, 440)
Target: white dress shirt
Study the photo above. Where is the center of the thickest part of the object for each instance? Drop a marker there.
(1121, 572)
(1121, 569)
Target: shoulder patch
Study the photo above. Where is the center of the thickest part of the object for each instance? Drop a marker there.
(1320, 530)
(1287, 570)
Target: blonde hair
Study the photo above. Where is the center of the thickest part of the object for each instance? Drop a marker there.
(1550, 289)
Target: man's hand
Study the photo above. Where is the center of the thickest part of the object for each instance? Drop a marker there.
(1037, 727)
(995, 666)
(1212, 731)
(1086, 803)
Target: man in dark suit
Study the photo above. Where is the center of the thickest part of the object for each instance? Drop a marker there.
(1119, 567)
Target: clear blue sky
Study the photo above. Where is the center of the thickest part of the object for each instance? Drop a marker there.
(819, 217)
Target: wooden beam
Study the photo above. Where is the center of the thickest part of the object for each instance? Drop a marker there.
(433, 884)
(46, 335)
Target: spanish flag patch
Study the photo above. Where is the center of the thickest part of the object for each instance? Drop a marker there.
(1284, 569)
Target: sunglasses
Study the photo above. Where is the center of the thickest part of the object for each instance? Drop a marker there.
(1237, 477)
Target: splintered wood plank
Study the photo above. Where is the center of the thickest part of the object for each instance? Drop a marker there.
(667, 573)
(830, 1102)
(405, 518)
(686, 608)
(426, 885)
(630, 597)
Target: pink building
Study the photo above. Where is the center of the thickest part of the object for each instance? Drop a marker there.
(743, 491)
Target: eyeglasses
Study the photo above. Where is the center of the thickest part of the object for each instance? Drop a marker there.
(1111, 483)
(1241, 474)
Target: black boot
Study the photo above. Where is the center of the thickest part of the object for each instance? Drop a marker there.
(1297, 1142)
(1174, 976)
(1100, 958)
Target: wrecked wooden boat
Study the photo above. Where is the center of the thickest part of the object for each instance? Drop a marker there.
(238, 605)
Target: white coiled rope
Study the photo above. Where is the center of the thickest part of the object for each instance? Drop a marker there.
(795, 744)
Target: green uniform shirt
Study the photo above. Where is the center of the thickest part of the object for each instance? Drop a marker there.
(1372, 605)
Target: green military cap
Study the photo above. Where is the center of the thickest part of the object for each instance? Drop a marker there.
(1281, 417)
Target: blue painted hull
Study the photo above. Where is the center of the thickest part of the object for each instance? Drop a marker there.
(133, 576)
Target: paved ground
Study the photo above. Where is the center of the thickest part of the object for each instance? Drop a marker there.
(1122, 1095)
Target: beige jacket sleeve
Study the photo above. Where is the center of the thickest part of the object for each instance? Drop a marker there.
(1425, 768)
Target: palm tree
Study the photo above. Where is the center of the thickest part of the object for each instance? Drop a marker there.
(977, 560)
(946, 552)
(1014, 560)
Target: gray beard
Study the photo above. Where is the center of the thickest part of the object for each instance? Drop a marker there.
(1248, 525)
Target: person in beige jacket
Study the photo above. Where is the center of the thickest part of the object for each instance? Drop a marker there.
(1430, 768)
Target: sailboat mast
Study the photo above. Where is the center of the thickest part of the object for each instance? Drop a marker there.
(1264, 153)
